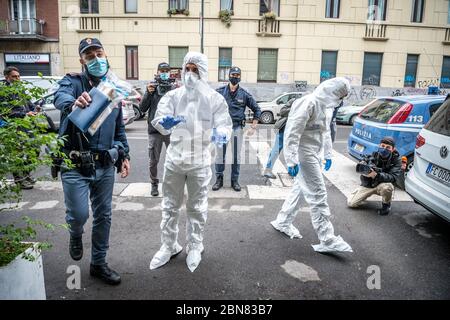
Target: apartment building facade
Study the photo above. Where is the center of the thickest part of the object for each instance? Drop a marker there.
(29, 36)
(387, 43)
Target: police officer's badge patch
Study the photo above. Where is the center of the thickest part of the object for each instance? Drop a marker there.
(89, 40)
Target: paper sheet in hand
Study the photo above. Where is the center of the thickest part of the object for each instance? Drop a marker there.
(83, 118)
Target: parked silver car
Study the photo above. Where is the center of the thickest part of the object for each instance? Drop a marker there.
(270, 111)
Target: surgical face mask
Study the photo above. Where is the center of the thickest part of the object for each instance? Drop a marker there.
(191, 79)
(164, 76)
(97, 67)
(384, 153)
(234, 81)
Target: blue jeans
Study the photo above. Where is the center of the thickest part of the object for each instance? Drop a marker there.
(276, 149)
(236, 144)
(99, 188)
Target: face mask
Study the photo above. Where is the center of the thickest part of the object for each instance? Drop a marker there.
(97, 67)
(164, 76)
(234, 81)
(191, 79)
(384, 153)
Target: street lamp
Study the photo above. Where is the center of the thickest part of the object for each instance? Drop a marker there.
(201, 25)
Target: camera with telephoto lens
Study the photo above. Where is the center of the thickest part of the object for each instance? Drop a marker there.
(162, 86)
(366, 166)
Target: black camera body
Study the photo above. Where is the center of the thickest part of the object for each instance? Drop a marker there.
(366, 166)
(163, 86)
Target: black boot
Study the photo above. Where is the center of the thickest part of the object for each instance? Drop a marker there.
(104, 273)
(155, 191)
(218, 184)
(385, 209)
(235, 185)
(76, 248)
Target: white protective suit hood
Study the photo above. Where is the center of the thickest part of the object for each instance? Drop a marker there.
(330, 92)
(203, 109)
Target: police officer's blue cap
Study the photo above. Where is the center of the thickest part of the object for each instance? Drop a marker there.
(87, 43)
(163, 66)
(235, 70)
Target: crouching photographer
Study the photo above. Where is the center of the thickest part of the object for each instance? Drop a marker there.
(379, 172)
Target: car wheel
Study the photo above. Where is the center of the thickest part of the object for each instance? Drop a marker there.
(266, 117)
(352, 119)
(137, 112)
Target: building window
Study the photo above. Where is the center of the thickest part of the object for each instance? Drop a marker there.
(372, 68)
(267, 65)
(411, 70)
(328, 69)
(178, 5)
(89, 6)
(132, 62)
(417, 10)
(445, 74)
(226, 5)
(269, 5)
(131, 6)
(176, 56)
(23, 14)
(448, 13)
(332, 9)
(225, 55)
(377, 10)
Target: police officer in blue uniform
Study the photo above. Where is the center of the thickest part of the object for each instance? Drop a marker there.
(94, 158)
(238, 99)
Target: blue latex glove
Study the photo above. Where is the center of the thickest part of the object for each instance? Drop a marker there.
(217, 138)
(168, 122)
(293, 171)
(328, 163)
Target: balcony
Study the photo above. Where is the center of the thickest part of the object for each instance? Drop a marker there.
(447, 37)
(89, 24)
(268, 28)
(22, 29)
(375, 31)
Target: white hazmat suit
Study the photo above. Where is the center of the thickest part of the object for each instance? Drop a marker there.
(188, 158)
(306, 134)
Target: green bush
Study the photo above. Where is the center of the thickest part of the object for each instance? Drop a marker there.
(22, 141)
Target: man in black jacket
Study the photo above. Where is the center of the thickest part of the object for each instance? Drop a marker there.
(12, 74)
(155, 91)
(387, 167)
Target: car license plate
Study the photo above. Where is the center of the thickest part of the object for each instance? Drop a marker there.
(438, 173)
(358, 147)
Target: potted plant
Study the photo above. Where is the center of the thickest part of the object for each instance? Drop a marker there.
(269, 15)
(21, 142)
(171, 12)
(225, 16)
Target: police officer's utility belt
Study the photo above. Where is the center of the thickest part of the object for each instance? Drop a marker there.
(238, 123)
(87, 161)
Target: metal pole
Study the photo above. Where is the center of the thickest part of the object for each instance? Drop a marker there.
(201, 26)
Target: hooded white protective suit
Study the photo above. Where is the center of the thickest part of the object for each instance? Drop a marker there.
(306, 133)
(188, 158)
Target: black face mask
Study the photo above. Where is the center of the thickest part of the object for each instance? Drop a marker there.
(234, 81)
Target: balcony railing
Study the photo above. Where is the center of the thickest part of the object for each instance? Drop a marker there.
(89, 24)
(268, 28)
(22, 28)
(375, 31)
(447, 36)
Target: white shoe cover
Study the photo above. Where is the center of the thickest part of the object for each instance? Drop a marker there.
(163, 256)
(336, 244)
(193, 259)
(291, 231)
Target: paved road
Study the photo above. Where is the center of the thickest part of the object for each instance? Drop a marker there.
(245, 258)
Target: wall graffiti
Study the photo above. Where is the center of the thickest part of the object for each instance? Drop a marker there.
(426, 83)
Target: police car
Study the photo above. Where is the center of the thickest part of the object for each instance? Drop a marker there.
(399, 117)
